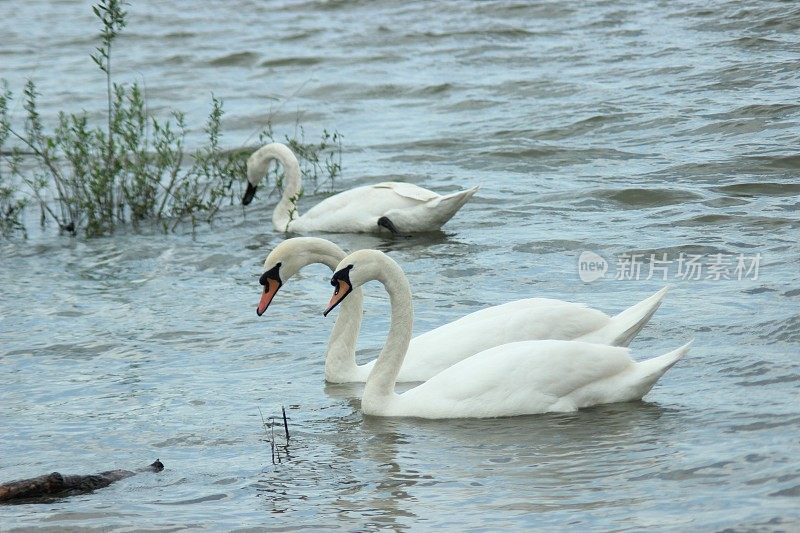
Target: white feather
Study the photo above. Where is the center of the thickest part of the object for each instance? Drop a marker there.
(430, 353)
(410, 208)
(518, 378)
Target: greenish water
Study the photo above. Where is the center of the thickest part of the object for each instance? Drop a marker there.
(619, 128)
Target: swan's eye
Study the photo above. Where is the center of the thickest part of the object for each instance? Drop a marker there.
(343, 274)
(272, 273)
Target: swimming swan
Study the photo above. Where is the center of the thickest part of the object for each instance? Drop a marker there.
(430, 353)
(519, 378)
(398, 207)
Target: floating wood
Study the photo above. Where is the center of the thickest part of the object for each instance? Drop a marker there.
(57, 484)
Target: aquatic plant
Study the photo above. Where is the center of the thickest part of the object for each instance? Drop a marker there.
(134, 167)
(317, 160)
(10, 203)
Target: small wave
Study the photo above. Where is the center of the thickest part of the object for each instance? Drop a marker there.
(782, 21)
(179, 35)
(793, 492)
(581, 127)
(525, 10)
(714, 470)
(236, 59)
(755, 43)
(741, 221)
(638, 198)
(444, 143)
(358, 91)
(301, 35)
(291, 62)
(721, 170)
(790, 161)
(732, 127)
(178, 59)
(471, 105)
(209, 498)
(787, 330)
(675, 251)
(481, 34)
(759, 368)
(565, 155)
(790, 378)
(760, 189)
(430, 90)
(763, 424)
(543, 247)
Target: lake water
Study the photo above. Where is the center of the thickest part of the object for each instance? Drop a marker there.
(612, 127)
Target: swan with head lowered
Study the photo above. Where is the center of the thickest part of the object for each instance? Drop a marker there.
(519, 378)
(430, 353)
(399, 207)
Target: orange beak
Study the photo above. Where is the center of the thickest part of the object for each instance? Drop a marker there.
(339, 293)
(270, 290)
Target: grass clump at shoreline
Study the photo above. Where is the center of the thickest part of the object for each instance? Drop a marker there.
(133, 168)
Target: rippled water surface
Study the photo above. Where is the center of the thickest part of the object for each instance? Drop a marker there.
(613, 127)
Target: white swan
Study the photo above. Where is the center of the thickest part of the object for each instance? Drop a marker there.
(398, 207)
(519, 378)
(432, 352)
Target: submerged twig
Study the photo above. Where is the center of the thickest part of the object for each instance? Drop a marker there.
(285, 424)
(269, 430)
(269, 439)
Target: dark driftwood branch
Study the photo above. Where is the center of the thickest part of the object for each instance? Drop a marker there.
(56, 484)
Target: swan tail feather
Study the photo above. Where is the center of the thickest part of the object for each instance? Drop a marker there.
(448, 205)
(623, 327)
(651, 370)
(460, 197)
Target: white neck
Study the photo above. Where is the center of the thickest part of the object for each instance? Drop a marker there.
(340, 357)
(286, 210)
(379, 388)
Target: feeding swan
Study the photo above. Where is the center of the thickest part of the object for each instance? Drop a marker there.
(398, 207)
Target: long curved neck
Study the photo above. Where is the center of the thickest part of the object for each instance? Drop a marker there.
(380, 383)
(286, 210)
(340, 357)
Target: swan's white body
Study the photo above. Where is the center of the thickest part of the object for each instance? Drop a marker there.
(410, 208)
(519, 378)
(527, 377)
(430, 353)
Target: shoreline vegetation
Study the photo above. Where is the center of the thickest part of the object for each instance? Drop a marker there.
(133, 169)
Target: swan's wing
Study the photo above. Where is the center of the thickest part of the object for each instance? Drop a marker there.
(408, 190)
(409, 207)
(518, 378)
(355, 209)
(433, 351)
(520, 306)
